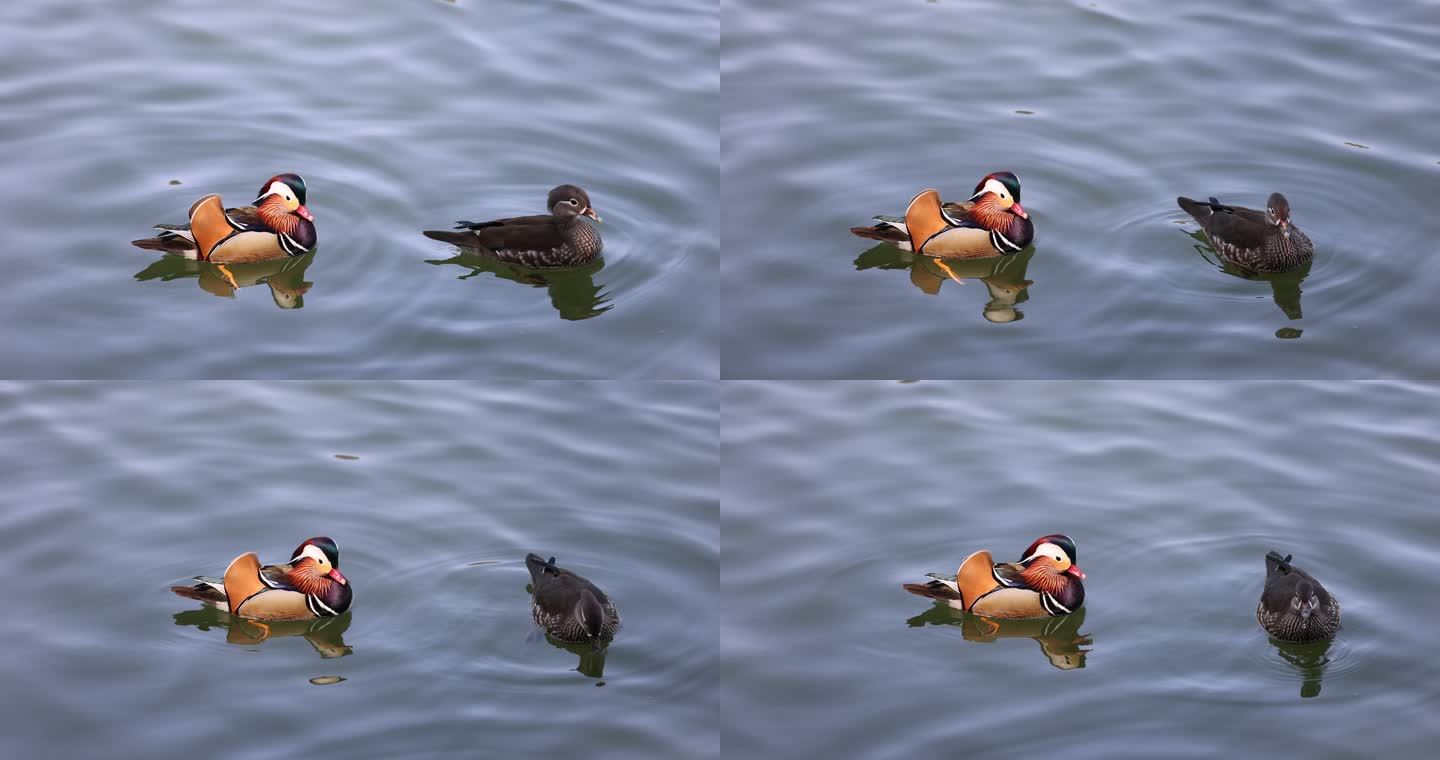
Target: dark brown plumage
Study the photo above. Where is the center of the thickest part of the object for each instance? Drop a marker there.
(569, 607)
(1294, 606)
(1261, 241)
(562, 238)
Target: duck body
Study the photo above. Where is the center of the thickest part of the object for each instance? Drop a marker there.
(1294, 606)
(1046, 582)
(563, 238)
(278, 225)
(991, 223)
(1260, 241)
(570, 608)
(309, 586)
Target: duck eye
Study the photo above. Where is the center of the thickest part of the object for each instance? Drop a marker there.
(1057, 559)
(573, 202)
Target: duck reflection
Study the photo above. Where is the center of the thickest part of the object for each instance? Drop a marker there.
(1059, 638)
(326, 635)
(592, 657)
(1003, 276)
(1310, 659)
(285, 277)
(1284, 286)
(573, 291)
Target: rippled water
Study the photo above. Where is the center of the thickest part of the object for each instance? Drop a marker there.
(835, 494)
(434, 494)
(401, 117)
(1107, 111)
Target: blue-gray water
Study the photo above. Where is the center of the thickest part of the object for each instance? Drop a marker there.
(401, 117)
(1107, 111)
(113, 494)
(835, 494)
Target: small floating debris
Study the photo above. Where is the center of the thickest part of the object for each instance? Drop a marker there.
(1288, 333)
(347, 457)
(326, 680)
(1357, 145)
(909, 380)
(1023, 112)
(484, 562)
(174, 181)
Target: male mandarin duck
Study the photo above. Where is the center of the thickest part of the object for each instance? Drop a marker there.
(561, 238)
(310, 585)
(278, 225)
(991, 223)
(1259, 241)
(1045, 582)
(569, 608)
(1294, 606)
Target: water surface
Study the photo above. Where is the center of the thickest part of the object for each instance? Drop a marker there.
(1107, 111)
(400, 117)
(835, 494)
(434, 493)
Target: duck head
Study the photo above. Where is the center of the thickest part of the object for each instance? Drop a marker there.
(1053, 555)
(1277, 213)
(571, 198)
(315, 564)
(1000, 190)
(284, 191)
(1305, 601)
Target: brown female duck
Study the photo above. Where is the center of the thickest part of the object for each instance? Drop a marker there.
(570, 608)
(562, 238)
(1294, 606)
(1259, 241)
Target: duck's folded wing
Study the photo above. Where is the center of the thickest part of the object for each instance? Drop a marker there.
(277, 576)
(465, 224)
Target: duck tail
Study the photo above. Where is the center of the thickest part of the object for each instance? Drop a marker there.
(888, 233)
(1200, 211)
(938, 589)
(463, 239)
(171, 244)
(1273, 561)
(204, 591)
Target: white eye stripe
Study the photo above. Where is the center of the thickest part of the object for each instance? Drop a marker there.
(313, 552)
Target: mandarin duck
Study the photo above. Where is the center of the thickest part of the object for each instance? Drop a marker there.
(1259, 241)
(561, 238)
(310, 585)
(1045, 582)
(1294, 606)
(276, 226)
(991, 223)
(569, 608)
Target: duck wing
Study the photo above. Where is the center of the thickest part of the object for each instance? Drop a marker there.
(465, 224)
